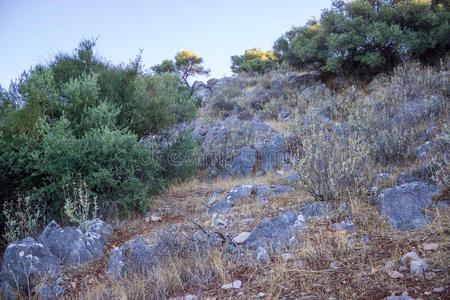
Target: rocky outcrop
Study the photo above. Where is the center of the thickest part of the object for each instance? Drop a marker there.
(25, 264)
(244, 163)
(135, 255)
(314, 210)
(293, 82)
(403, 204)
(70, 245)
(274, 234)
(200, 90)
(274, 153)
(28, 263)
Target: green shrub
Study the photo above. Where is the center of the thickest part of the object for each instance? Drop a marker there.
(364, 37)
(181, 159)
(110, 161)
(254, 61)
(82, 116)
(160, 101)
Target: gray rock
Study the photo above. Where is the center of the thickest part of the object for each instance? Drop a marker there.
(346, 225)
(51, 291)
(418, 267)
(244, 163)
(274, 153)
(134, 256)
(241, 237)
(406, 178)
(365, 239)
(426, 150)
(116, 263)
(97, 226)
(234, 285)
(221, 206)
(264, 192)
(26, 263)
(216, 221)
(71, 245)
(275, 233)
(262, 255)
(314, 210)
(200, 90)
(281, 87)
(241, 192)
(383, 177)
(284, 113)
(279, 189)
(261, 200)
(291, 178)
(258, 129)
(403, 204)
(317, 91)
(7, 292)
(286, 256)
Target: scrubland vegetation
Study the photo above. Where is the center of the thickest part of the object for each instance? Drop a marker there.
(356, 102)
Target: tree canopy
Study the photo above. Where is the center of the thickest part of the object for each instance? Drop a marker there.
(254, 61)
(363, 37)
(186, 64)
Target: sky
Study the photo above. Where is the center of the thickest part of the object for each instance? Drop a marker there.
(33, 31)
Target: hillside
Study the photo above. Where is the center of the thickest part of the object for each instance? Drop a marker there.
(302, 192)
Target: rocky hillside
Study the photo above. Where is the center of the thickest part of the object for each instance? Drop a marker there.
(303, 193)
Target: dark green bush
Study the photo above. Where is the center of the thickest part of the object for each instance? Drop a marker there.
(181, 159)
(254, 61)
(82, 117)
(110, 160)
(364, 37)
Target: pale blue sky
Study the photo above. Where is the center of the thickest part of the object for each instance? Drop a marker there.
(33, 32)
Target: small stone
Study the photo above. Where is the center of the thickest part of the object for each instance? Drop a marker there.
(430, 275)
(241, 237)
(351, 243)
(299, 263)
(395, 275)
(438, 290)
(261, 295)
(155, 218)
(374, 190)
(409, 256)
(333, 265)
(365, 239)
(430, 247)
(388, 267)
(217, 222)
(262, 255)
(234, 285)
(248, 220)
(286, 256)
(346, 225)
(427, 293)
(418, 267)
